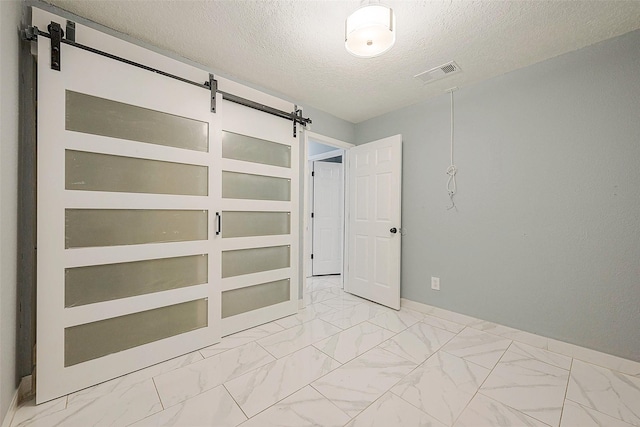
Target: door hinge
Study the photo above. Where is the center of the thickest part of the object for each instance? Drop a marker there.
(313, 173)
(311, 256)
(311, 214)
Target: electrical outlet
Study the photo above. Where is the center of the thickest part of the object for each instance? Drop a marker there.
(435, 283)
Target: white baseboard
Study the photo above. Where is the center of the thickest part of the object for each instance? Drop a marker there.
(13, 407)
(605, 360)
(23, 392)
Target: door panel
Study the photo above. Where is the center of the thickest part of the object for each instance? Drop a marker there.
(112, 215)
(328, 205)
(259, 217)
(375, 172)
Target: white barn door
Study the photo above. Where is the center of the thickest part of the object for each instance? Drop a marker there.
(259, 217)
(128, 187)
(375, 189)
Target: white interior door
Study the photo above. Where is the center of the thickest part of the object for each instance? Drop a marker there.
(375, 179)
(128, 186)
(328, 202)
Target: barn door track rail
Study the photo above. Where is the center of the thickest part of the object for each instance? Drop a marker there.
(57, 36)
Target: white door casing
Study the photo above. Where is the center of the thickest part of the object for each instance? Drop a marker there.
(328, 207)
(306, 248)
(87, 73)
(374, 238)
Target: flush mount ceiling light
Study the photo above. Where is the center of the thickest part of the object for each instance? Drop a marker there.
(370, 31)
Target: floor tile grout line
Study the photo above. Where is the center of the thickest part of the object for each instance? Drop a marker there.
(582, 405)
(240, 345)
(155, 386)
(332, 402)
(444, 329)
(419, 409)
(358, 355)
(509, 406)
(512, 408)
(344, 364)
(388, 329)
(307, 345)
(292, 393)
(600, 366)
(430, 356)
(270, 354)
(217, 385)
(543, 337)
(236, 402)
(388, 390)
(542, 361)
(432, 353)
(566, 390)
(483, 381)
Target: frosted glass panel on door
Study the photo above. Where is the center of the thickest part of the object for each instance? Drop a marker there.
(245, 224)
(103, 172)
(98, 339)
(100, 116)
(248, 149)
(238, 301)
(255, 187)
(97, 283)
(111, 227)
(254, 260)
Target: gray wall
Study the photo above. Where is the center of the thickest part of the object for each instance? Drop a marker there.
(547, 233)
(331, 126)
(10, 12)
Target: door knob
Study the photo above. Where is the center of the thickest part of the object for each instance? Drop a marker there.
(393, 230)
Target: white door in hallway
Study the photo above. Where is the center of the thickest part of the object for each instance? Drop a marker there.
(328, 206)
(374, 242)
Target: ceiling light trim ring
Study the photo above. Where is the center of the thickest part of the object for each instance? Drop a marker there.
(370, 31)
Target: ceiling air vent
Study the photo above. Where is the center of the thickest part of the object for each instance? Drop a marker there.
(438, 73)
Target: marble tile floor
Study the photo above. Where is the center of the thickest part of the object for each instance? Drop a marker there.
(344, 361)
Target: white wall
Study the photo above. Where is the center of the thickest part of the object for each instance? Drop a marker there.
(10, 12)
(547, 234)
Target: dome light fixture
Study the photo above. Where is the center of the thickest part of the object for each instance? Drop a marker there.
(370, 31)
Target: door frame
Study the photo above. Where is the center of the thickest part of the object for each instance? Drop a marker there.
(306, 184)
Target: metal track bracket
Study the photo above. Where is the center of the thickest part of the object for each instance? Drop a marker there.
(71, 31)
(296, 117)
(213, 85)
(30, 34)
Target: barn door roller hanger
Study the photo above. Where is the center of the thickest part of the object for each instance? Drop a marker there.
(57, 36)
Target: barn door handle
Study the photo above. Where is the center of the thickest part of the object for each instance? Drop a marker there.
(393, 230)
(218, 223)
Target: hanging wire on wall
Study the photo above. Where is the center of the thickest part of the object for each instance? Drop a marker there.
(452, 169)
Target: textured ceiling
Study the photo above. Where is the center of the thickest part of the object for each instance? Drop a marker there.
(296, 48)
